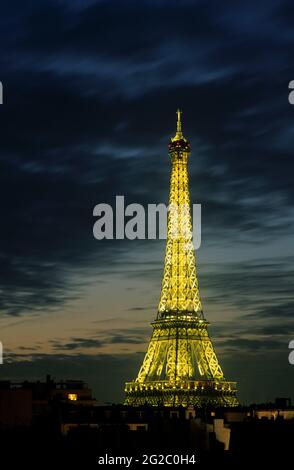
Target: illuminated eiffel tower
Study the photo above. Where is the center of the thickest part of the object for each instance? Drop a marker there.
(180, 366)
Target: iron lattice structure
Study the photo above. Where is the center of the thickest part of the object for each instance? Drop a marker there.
(180, 366)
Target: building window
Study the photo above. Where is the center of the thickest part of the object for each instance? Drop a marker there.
(72, 396)
(141, 427)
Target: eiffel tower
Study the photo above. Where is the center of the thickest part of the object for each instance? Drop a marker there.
(180, 366)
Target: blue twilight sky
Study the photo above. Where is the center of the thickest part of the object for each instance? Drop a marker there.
(90, 94)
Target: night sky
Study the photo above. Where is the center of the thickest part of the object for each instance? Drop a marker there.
(90, 94)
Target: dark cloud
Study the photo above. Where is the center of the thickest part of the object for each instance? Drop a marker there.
(78, 343)
(120, 339)
(138, 309)
(98, 339)
(252, 345)
(261, 288)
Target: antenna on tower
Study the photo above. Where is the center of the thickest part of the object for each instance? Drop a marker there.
(179, 134)
(179, 124)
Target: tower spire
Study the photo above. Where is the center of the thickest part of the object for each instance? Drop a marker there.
(179, 124)
(179, 133)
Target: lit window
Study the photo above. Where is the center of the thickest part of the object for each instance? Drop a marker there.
(72, 396)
